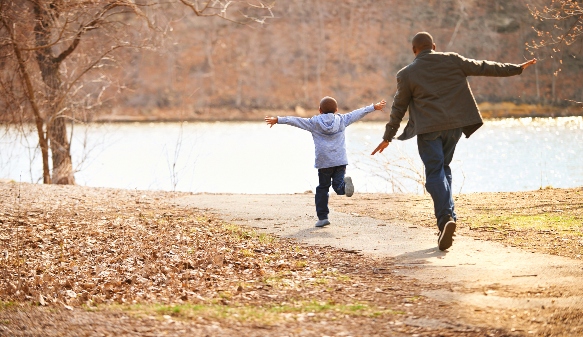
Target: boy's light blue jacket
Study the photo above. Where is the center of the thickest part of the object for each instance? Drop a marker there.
(328, 133)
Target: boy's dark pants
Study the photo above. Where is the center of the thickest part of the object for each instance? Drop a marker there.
(328, 176)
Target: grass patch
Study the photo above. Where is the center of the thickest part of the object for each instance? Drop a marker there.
(301, 264)
(280, 280)
(413, 299)
(263, 314)
(238, 232)
(541, 222)
(319, 280)
(247, 252)
(7, 305)
(245, 234)
(265, 238)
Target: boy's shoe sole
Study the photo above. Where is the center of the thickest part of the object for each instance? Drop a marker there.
(348, 186)
(322, 223)
(445, 239)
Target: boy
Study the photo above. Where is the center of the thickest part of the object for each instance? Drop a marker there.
(327, 130)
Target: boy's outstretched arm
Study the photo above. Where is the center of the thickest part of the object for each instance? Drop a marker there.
(298, 122)
(357, 114)
(270, 120)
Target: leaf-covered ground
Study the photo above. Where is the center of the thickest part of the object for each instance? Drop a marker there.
(78, 261)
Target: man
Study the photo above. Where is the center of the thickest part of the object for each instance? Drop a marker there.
(441, 107)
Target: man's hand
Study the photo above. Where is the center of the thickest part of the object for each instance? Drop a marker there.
(380, 105)
(270, 120)
(527, 63)
(383, 145)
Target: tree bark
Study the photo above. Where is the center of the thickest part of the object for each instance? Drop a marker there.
(56, 125)
(61, 150)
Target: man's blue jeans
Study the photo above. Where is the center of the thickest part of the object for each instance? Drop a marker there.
(436, 150)
(330, 176)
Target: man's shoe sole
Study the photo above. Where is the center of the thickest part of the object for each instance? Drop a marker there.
(446, 239)
(322, 223)
(348, 186)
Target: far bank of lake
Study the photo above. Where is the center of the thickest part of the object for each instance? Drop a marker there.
(211, 114)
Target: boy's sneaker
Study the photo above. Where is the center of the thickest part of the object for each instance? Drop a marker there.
(322, 223)
(348, 186)
(445, 239)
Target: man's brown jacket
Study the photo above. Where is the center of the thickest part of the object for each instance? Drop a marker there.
(435, 89)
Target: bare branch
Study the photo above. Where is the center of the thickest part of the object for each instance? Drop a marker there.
(559, 11)
(94, 24)
(87, 69)
(196, 10)
(85, 28)
(223, 8)
(32, 100)
(58, 39)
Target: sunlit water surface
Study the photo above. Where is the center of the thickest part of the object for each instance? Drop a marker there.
(504, 155)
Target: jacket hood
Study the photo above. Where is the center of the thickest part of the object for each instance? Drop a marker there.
(329, 123)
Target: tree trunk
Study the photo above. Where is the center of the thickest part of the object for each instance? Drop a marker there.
(56, 126)
(61, 150)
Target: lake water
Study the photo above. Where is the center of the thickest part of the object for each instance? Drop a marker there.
(504, 155)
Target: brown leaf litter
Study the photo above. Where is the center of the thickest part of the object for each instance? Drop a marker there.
(91, 261)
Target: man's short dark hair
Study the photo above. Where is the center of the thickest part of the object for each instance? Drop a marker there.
(422, 41)
(328, 105)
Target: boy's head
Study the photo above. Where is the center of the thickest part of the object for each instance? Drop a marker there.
(328, 105)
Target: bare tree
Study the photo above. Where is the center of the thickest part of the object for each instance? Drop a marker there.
(558, 31)
(565, 23)
(49, 47)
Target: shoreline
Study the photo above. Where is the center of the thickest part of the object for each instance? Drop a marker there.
(148, 120)
(176, 115)
(488, 111)
(132, 119)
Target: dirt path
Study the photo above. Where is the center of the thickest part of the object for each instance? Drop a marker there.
(484, 274)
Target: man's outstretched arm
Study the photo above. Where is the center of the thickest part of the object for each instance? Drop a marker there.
(527, 64)
(398, 110)
(382, 146)
(472, 67)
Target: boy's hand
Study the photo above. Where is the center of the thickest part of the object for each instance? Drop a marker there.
(270, 120)
(380, 105)
(383, 145)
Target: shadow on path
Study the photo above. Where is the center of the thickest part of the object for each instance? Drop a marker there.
(421, 254)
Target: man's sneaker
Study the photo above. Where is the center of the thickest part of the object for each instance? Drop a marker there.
(322, 223)
(445, 239)
(348, 186)
(439, 235)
